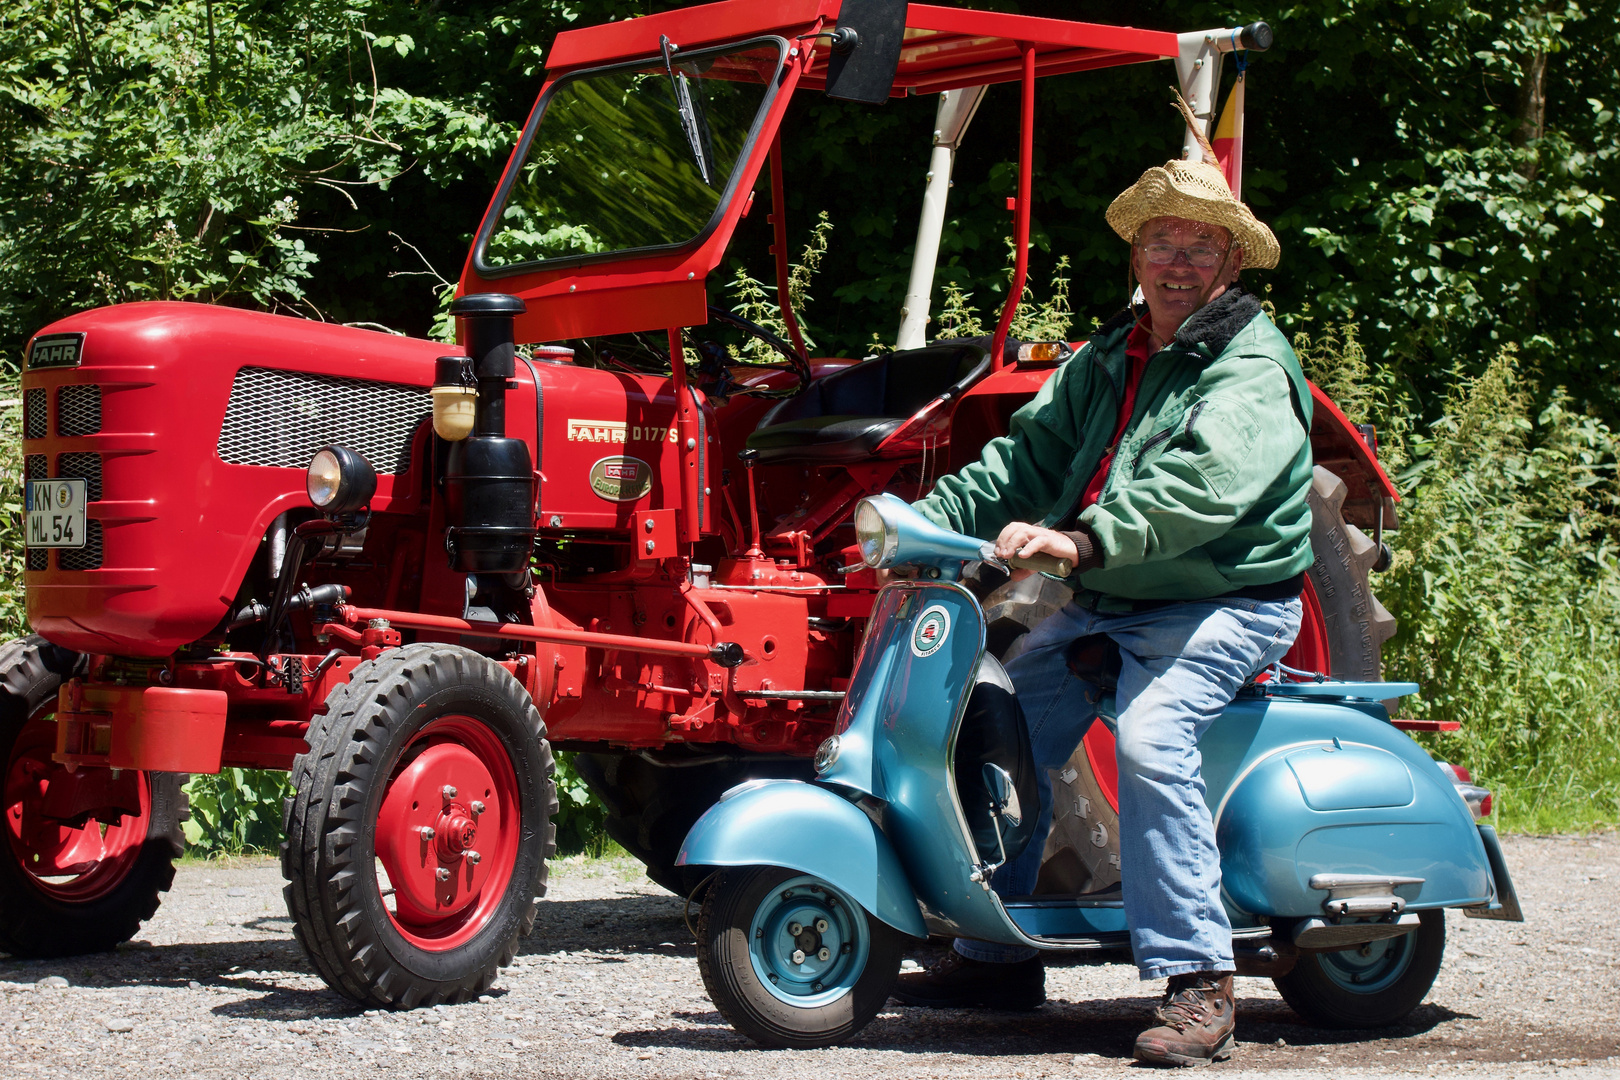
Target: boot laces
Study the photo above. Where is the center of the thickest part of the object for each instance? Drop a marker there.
(1187, 1001)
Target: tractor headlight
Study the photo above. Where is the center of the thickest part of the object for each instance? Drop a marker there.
(340, 481)
(878, 538)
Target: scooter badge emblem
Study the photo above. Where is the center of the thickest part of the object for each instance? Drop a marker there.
(933, 627)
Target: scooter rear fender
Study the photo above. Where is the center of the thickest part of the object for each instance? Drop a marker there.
(810, 829)
(1300, 789)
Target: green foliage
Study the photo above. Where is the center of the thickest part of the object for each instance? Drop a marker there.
(1464, 159)
(1334, 359)
(1505, 582)
(236, 811)
(1035, 320)
(957, 317)
(752, 300)
(579, 812)
(252, 153)
(13, 611)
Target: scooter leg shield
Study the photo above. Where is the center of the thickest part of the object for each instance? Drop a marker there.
(810, 829)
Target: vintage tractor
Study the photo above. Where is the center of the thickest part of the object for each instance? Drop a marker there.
(408, 572)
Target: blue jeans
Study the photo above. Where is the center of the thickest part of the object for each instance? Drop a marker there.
(1183, 663)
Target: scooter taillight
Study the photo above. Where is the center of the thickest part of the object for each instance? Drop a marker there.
(1477, 798)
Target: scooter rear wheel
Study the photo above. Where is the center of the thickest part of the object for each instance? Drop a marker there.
(791, 961)
(1367, 986)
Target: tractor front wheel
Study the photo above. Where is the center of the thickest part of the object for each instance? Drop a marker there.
(417, 841)
(79, 872)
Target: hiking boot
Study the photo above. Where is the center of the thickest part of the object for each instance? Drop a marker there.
(957, 982)
(1195, 1022)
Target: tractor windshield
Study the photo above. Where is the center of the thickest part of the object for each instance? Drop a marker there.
(632, 157)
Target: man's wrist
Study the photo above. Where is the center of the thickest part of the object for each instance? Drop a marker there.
(1089, 552)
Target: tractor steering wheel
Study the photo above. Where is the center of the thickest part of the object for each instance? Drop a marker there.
(796, 360)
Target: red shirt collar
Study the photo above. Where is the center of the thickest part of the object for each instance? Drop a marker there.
(1138, 341)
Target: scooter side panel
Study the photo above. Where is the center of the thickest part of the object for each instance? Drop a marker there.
(896, 731)
(1301, 788)
(806, 828)
(921, 714)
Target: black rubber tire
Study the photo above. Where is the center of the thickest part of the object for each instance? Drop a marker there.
(652, 806)
(735, 988)
(32, 923)
(1357, 624)
(328, 858)
(1320, 1000)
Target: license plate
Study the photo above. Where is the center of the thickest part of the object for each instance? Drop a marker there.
(56, 513)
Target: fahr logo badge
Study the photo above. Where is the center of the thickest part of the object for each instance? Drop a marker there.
(56, 351)
(932, 628)
(621, 479)
(617, 432)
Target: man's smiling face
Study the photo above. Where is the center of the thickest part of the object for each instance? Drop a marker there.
(1177, 288)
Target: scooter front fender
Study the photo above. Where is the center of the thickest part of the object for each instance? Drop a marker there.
(810, 829)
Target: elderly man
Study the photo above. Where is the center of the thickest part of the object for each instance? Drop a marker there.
(1169, 460)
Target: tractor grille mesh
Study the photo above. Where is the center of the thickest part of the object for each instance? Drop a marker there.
(87, 557)
(78, 410)
(34, 467)
(39, 559)
(34, 414)
(86, 467)
(283, 418)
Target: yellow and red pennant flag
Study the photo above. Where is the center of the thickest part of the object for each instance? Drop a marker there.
(1228, 141)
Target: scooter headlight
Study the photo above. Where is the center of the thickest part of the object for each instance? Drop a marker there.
(340, 481)
(878, 538)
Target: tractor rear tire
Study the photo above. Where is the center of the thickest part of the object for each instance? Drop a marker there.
(124, 866)
(1355, 623)
(427, 750)
(652, 804)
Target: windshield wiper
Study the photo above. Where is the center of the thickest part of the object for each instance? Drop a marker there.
(693, 122)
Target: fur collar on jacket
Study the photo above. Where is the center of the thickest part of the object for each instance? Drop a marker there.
(1213, 325)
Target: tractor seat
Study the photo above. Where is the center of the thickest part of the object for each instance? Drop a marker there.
(847, 415)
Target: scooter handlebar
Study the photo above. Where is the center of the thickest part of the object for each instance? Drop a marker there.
(1042, 564)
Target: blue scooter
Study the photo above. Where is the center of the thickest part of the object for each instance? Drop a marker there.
(1341, 840)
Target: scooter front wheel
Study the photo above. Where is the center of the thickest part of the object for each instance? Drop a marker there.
(1368, 986)
(790, 960)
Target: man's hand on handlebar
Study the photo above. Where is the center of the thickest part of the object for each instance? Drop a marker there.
(1021, 540)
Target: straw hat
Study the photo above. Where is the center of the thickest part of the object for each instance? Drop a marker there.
(1197, 191)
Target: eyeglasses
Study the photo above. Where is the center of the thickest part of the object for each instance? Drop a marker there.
(1200, 255)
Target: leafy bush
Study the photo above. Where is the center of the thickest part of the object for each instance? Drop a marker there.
(1505, 582)
(13, 613)
(236, 811)
(579, 812)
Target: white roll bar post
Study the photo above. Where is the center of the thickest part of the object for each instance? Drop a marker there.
(1198, 69)
(955, 113)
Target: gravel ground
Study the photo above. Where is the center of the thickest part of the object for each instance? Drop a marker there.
(607, 987)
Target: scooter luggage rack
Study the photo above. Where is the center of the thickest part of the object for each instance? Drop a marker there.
(1332, 690)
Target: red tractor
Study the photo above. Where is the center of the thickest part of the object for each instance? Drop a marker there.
(408, 572)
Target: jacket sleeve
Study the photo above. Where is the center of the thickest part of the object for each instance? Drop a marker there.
(1239, 436)
(1020, 475)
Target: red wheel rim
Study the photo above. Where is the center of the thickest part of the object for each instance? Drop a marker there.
(69, 863)
(455, 779)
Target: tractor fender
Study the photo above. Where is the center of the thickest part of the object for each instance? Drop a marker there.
(807, 828)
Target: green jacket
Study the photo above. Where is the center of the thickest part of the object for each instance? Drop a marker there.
(1206, 495)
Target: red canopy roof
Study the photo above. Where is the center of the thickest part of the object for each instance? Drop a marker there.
(945, 48)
